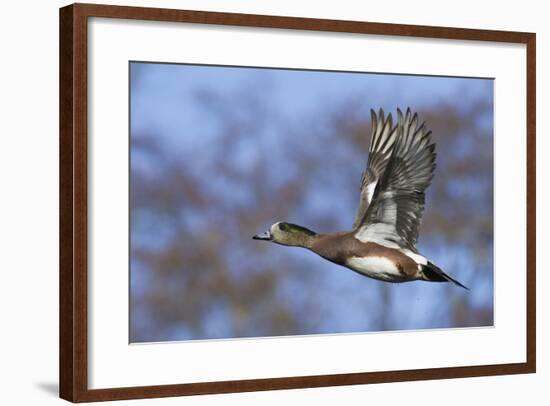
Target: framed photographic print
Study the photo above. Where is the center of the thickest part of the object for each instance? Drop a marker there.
(255, 202)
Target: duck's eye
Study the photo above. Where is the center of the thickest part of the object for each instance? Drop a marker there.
(283, 226)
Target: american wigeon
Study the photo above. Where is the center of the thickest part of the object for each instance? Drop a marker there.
(382, 243)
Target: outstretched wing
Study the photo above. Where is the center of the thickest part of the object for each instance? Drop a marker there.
(383, 136)
(394, 215)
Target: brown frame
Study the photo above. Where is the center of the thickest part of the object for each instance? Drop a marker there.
(73, 362)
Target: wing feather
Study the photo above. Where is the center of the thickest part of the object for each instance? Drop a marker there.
(395, 211)
(383, 135)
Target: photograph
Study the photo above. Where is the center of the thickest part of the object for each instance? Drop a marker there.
(270, 202)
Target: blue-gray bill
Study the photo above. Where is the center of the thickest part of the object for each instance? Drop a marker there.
(264, 236)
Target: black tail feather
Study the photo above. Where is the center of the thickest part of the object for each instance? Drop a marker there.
(434, 274)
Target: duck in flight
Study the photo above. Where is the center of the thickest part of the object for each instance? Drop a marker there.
(382, 243)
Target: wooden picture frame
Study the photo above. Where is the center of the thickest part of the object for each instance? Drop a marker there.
(73, 208)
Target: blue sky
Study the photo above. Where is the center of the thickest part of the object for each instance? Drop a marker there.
(163, 95)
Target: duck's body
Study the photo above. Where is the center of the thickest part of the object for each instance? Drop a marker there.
(382, 243)
(369, 258)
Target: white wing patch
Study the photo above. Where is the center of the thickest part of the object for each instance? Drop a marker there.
(370, 190)
(379, 233)
(386, 235)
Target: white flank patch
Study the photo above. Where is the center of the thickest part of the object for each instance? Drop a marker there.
(376, 267)
(419, 259)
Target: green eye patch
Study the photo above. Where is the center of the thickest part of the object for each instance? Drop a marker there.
(294, 228)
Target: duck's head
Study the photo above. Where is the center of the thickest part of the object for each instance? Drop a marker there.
(288, 234)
